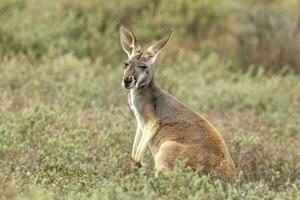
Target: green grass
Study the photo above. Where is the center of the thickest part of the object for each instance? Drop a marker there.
(66, 130)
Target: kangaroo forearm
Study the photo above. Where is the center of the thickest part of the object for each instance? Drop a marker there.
(137, 138)
(149, 131)
(141, 148)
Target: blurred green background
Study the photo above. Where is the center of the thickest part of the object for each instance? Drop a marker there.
(257, 33)
(65, 127)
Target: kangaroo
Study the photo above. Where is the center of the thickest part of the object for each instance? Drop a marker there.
(169, 128)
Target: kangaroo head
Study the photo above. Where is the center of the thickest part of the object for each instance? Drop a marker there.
(138, 68)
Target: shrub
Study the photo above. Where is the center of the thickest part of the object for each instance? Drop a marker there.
(267, 35)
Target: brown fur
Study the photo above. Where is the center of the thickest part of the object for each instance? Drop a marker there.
(168, 127)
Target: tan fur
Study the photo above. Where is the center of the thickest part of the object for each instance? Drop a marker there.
(170, 129)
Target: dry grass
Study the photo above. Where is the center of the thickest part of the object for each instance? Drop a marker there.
(66, 130)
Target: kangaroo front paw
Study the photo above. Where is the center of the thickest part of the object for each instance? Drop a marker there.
(136, 162)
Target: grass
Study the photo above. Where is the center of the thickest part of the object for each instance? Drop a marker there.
(66, 130)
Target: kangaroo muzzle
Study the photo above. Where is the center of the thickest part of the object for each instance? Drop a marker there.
(128, 82)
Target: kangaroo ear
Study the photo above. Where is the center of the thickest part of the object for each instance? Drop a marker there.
(154, 50)
(128, 41)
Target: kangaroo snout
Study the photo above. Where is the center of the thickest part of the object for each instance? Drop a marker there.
(128, 82)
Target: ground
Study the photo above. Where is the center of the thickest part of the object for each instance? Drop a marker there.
(66, 131)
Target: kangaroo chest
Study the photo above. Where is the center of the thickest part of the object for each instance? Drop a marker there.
(135, 106)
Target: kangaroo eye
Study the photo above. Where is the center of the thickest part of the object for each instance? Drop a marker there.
(142, 67)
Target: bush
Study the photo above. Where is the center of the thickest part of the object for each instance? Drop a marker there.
(268, 35)
(255, 33)
(65, 127)
(66, 130)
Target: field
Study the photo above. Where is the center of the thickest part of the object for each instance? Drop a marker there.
(66, 130)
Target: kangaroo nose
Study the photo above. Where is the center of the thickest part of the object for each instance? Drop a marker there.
(128, 80)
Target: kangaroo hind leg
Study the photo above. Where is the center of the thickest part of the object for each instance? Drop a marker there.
(168, 152)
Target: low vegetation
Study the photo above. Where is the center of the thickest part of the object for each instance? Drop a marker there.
(65, 127)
